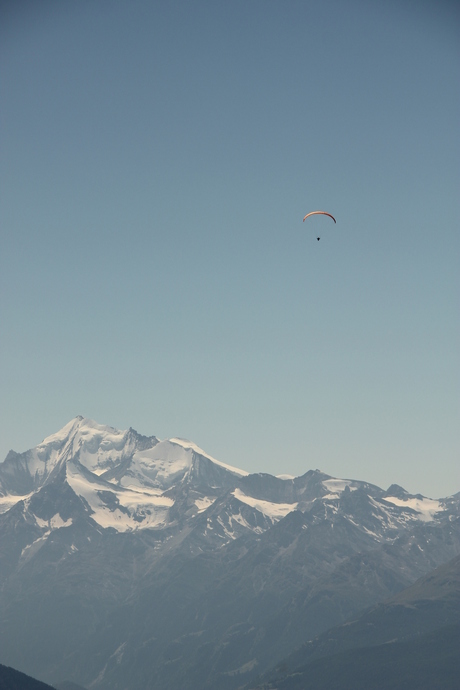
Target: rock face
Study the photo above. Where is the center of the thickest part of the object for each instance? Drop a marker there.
(130, 562)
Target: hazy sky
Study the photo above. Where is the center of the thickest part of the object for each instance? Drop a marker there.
(157, 159)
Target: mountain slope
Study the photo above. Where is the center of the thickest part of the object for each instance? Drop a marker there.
(414, 635)
(429, 661)
(131, 561)
(10, 679)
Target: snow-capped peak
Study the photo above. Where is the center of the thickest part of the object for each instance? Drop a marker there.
(85, 434)
(121, 477)
(188, 445)
(129, 482)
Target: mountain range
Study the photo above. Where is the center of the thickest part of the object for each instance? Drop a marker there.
(129, 562)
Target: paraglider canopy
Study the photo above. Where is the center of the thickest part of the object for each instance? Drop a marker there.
(322, 213)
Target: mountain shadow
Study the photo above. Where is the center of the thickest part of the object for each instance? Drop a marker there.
(10, 679)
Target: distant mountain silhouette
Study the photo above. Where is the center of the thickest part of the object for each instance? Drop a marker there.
(10, 679)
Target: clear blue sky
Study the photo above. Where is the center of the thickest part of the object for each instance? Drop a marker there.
(157, 159)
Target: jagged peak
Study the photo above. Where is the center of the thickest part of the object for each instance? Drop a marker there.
(87, 431)
(83, 426)
(396, 490)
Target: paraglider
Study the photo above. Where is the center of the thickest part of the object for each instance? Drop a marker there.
(322, 213)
